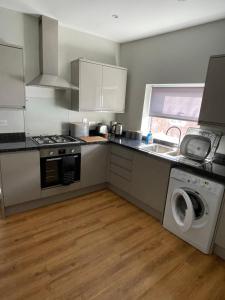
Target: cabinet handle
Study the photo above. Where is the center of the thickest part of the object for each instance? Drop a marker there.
(52, 159)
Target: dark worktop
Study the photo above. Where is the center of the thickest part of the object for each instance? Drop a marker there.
(209, 169)
(28, 144)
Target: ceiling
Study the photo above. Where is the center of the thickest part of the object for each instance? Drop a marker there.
(137, 18)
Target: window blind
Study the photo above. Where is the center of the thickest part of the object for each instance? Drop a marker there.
(182, 103)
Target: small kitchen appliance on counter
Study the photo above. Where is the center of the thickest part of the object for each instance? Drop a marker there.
(116, 128)
(79, 129)
(102, 129)
(113, 127)
(119, 129)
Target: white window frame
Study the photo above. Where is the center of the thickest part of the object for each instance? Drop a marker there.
(146, 119)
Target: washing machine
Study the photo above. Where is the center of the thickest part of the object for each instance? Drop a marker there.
(192, 208)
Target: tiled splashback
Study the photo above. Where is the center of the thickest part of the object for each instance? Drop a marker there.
(11, 120)
(48, 111)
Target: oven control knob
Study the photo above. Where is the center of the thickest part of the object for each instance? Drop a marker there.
(73, 151)
(51, 153)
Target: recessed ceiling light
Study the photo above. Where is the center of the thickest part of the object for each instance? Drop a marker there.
(115, 16)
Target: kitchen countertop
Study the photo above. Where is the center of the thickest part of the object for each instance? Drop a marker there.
(209, 169)
(28, 144)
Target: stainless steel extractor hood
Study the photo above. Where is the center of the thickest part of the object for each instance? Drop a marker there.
(48, 31)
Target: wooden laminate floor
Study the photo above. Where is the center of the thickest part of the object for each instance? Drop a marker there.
(101, 247)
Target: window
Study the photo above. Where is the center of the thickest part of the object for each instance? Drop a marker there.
(171, 105)
(159, 126)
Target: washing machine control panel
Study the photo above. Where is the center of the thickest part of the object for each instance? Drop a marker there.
(197, 182)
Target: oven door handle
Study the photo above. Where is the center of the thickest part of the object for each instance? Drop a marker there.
(55, 158)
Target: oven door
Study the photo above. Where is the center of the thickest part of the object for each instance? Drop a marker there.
(62, 170)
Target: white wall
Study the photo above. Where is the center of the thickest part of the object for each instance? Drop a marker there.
(176, 57)
(49, 111)
(74, 44)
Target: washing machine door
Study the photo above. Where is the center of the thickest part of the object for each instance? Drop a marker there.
(182, 209)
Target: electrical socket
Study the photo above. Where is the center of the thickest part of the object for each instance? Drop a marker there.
(3, 123)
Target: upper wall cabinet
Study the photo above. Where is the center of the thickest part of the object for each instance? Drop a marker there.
(12, 89)
(213, 102)
(101, 87)
(113, 88)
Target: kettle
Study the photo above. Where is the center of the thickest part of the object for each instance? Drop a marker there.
(113, 127)
(118, 129)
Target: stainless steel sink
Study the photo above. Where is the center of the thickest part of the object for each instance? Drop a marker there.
(174, 153)
(161, 150)
(157, 148)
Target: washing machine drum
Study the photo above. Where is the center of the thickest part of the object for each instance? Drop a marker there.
(187, 207)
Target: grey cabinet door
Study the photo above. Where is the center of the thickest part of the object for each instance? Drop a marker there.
(220, 235)
(101, 87)
(90, 84)
(150, 181)
(113, 89)
(20, 172)
(11, 77)
(94, 162)
(213, 104)
(121, 168)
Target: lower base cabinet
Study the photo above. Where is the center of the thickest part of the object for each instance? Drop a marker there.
(220, 233)
(150, 181)
(20, 177)
(121, 168)
(94, 163)
(143, 177)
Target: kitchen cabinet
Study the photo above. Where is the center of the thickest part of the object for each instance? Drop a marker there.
(142, 177)
(94, 163)
(11, 77)
(213, 104)
(20, 175)
(150, 181)
(90, 85)
(220, 233)
(113, 89)
(101, 87)
(121, 168)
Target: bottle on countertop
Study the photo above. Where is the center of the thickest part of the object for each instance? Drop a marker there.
(148, 138)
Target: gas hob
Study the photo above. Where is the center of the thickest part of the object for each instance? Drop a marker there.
(54, 140)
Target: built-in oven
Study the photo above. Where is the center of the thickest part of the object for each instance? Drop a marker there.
(60, 166)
